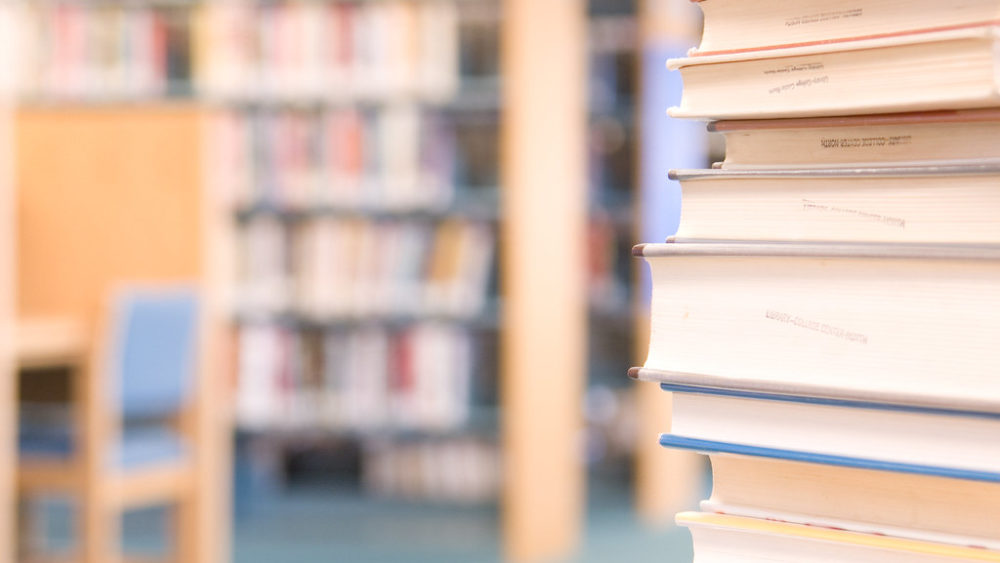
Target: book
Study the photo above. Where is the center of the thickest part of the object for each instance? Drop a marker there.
(907, 505)
(943, 442)
(870, 321)
(730, 25)
(881, 75)
(894, 139)
(952, 202)
(724, 538)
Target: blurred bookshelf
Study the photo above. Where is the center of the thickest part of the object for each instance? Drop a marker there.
(359, 225)
(353, 145)
(362, 223)
(364, 219)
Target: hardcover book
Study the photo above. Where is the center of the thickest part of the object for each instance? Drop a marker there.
(722, 538)
(943, 442)
(732, 25)
(949, 69)
(952, 202)
(894, 139)
(864, 320)
(907, 505)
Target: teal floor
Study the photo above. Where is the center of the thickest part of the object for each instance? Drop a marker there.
(325, 525)
(313, 524)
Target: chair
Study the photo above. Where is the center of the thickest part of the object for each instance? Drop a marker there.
(133, 408)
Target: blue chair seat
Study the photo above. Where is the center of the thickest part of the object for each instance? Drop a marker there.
(148, 445)
(141, 445)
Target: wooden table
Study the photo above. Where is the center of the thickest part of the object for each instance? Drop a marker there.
(49, 342)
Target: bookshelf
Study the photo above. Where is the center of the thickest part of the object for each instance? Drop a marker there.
(524, 316)
(363, 223)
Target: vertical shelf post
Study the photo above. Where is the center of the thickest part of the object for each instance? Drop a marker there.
(543, 121)
(214, 488)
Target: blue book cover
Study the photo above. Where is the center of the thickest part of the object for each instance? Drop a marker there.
(713, 447)
(829, 401)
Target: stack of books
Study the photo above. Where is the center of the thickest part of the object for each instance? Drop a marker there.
(828, 314)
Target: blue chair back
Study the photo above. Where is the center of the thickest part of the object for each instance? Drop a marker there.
(154, 350)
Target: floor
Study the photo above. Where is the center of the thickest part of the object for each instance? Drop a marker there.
(313, 524)
(318, 525)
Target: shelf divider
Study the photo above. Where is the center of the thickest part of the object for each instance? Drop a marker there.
(543, 225)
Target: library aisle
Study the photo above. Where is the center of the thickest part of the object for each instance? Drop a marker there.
(339, 280)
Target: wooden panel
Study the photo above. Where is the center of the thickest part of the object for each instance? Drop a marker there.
(544, 334)
(104, 194)
(214, 414)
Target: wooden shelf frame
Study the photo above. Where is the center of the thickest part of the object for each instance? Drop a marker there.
(544, 210)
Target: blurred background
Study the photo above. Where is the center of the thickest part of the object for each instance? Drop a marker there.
(257, 265)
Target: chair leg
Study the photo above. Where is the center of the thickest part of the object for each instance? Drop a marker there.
(184, 530)
(100, 522)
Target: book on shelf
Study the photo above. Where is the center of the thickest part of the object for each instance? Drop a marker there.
(394, 157)
(894, 139)
(949, 69)
(329, 268)
(368, 379)
(456, 469)
(102, 51)
(335, 51)
(862, 321)
(731, 25)
(721, 538)
(949, 202)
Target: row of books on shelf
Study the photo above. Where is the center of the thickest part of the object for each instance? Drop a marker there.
(104, 50)
(365, 379)
(330, 50)
(454, 469)
(391, 157)
(256, 50)
(826, 316)
(334, 268)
